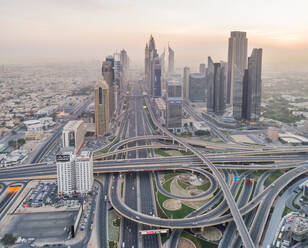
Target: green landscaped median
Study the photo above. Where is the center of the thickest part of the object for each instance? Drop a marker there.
(272, 177)
(199, 243)
(177, 214)
(162, 153)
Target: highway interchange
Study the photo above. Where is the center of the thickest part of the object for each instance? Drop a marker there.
(133, 156)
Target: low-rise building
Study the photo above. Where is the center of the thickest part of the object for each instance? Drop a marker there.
(73, 135)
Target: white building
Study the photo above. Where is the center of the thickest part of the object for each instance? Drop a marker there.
(74, 173)
(73, 135)
(84, 172)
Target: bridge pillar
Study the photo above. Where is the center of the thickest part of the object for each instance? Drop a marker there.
(172, 141)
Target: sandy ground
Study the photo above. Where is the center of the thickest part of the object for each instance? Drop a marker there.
(186, 243)
(176, 189)
(174, 153)
(211, 233)
(242, 139)
(172, 204)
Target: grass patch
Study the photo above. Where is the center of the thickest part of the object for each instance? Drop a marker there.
(205, 186)
(166, 185)
(108, 147)
(182, 184)
(149, 118)
(295, 198)
(256, 174)
(286, 211)
(162, 153)
(170, 175)
(186, 153)
(122, 188)
(272, 177)
(199, 243)
(177, 214)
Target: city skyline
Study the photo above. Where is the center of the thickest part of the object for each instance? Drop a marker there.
(36, 31)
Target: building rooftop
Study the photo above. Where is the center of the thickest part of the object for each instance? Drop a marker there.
(72, 125)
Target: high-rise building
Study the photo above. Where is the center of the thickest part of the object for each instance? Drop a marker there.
(186, 83)
(147, 67)
(108, 74)
(84, 172)
(174, 106)
(254, 88)
(247, 89)
(73, 135)
(216, 84)
(149, 64)
(238, 96)
(202, 69)
(66, 176)
(170, 60)
(101, 94)
(237, 56)
(163, 72)
(197, 87)
(74, 173)
(156, 91)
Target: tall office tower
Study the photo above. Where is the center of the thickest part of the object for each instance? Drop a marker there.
(238, 95)
(101, 94)
(225, 66)
(73, 135)
(242, 111)
(197, 87)
(124, 61)
(84, 172)
(202, 69)
(254, 85)
(237, 56)
(216, 83)
(150, 55)
(66, 177)
(108, 74)
(156, 91)
(170, 61)
(163, 72)
(174, 106)
(186, 83)
(147, 76)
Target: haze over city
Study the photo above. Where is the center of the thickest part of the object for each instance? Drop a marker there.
(72, 30)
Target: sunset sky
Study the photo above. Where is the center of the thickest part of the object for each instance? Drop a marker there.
(68, 30)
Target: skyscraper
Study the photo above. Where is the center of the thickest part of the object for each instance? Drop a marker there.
(174, 106)
(170, 60)
(216, 87)
(101, 94)
(197, 87)
(157, 78)
(186, 83)
(124, 61)
(248, 87)
(237, 56)
(149, 64)
(254, 85)
(108, 74)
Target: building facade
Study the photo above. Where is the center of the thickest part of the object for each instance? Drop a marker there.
(108, 75)
(101, 94)
(202, 69)
(84, 172)
(73, 135)
(237, 56)
(156, 91)
(197, 87)
(170, 61)
(174, 106)
(216, 87)
(186, 83)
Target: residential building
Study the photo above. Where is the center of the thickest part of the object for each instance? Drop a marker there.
(237, 56)
(66, 176)
(84, 172)
(101, 94)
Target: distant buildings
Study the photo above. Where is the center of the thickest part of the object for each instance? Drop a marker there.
(216, 87)
(197, 87)
(202, 69)
(237, 57)
(170, 61)
(186, 83)
(174, 106)
(74, 173)
(101, 94)
(157, 78)
(73, 135)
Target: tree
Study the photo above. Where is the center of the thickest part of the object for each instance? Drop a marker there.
(8, 239)
(21, 142)
(12, 143)
(13, 132)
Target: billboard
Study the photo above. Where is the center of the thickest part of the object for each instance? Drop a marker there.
(63, 158)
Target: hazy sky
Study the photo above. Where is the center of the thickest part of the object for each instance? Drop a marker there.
(61, 30)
